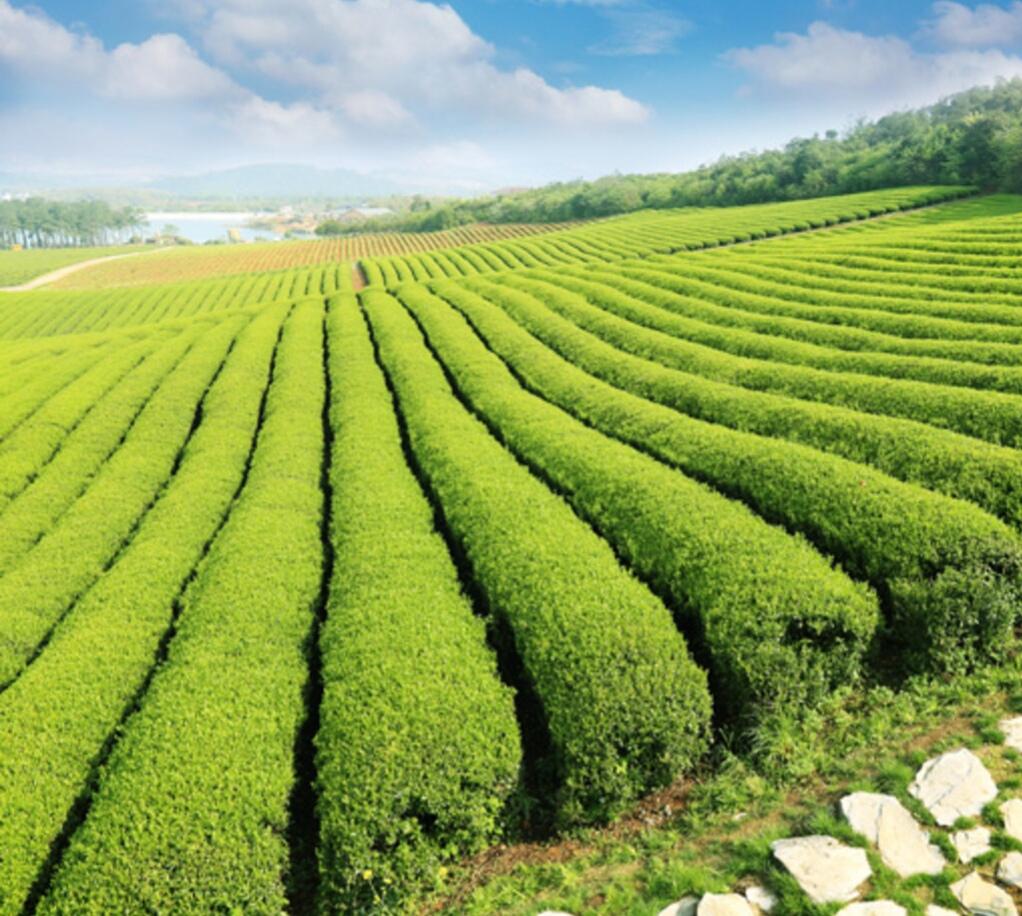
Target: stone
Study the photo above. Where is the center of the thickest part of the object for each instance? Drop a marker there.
(982, 898)
(934, 910)
(1011, 811)
(1010, 870)
(828, 871)
(953, 785)
(760, 897)
(724, 905)
(971, 843)
(684, 907)
(873, 908)
(886, 823)
(1012, 729)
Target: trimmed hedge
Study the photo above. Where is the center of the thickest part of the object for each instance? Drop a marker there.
(19, 405)
(795, 340)
(418, 748)
(45, 584)
(29, 448)
(192, 808)
(40, 504)
(901, 315)
(906, 541)
(647, 233)
(57, 717)
(959, 466)
(987, 415)
(769, 639)
(625, 707)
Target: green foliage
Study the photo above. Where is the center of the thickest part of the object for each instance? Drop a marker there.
(625, 707)
(191, 811)
(988, 415)
(913, 545)
(971, 138)
(47, 223)
(73, 554)
(649, 233)
(626, 354)
(418, 748)
(57, 718)
(51, 312)
(769, 640)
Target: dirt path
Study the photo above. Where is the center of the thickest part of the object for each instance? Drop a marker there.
(61, 272)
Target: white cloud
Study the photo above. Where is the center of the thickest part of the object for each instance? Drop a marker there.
(419, 59)
(163, 67)
(987, 26)
(877, 73)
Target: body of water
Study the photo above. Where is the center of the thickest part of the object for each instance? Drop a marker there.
(205, 227)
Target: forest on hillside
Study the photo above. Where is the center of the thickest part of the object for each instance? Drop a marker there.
(972, 138)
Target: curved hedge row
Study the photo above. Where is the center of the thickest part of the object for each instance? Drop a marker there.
(418, 749)
(39, 505)
(988, 475)
(651, 232)
(910, 543)
(986, 415)
(191, 810)
(57, 717)
(72, 555)
(895, 311)
(976, 299)
(796, 340)
(769, 639)
(625, 706)
(19, 405)
(28, 449)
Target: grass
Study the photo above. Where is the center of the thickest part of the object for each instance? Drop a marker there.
(17, 267)
(719, 838)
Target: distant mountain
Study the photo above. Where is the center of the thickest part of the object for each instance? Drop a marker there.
(276, 180)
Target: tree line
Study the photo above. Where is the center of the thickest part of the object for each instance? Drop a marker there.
(972, 138)
(38, 223)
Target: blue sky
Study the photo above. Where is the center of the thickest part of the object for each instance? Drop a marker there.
(473, 94)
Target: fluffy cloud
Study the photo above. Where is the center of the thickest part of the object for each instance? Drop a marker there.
(986, 26)
(876, 73)
(161, 68)
(419, 60)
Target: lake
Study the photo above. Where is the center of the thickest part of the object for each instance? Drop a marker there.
(205, 227)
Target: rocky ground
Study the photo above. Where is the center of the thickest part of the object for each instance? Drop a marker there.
(951, 844)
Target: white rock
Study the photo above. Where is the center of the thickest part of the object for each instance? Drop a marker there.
(886, 822)
(1012, 729)
(873, 908)
(828, 871)
(953, 785)
(761, 897)
(684, 907)
(1011, 811)
(1010, 870)
(724, 905)
(982, 898)
(971, 843)
(934, 910)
